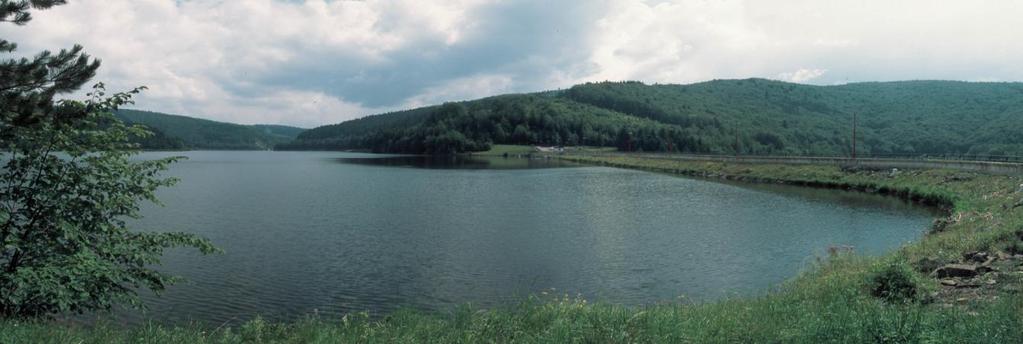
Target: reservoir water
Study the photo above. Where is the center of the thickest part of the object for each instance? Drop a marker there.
(332, 233)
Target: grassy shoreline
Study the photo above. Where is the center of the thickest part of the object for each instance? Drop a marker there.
(833, 302)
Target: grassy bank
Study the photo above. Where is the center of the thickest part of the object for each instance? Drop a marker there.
(523, 150)
(513, 150)
(846, 298)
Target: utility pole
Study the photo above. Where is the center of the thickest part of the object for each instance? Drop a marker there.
(854, 137)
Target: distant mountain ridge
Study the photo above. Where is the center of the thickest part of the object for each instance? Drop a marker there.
(175, 132)
(751, 116)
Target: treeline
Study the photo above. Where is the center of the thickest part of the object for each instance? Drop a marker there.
(511, 119)
(173, 132)
(160, 141)
(751, 116)
(720, 117)
(773, 117)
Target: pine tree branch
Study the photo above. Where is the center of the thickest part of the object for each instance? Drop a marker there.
(18, 10)
(63, 73)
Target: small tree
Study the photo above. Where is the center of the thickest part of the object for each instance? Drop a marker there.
(67, 188)
(68, 183)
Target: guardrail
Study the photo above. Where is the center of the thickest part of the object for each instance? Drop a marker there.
(955, 157)
(995, 167)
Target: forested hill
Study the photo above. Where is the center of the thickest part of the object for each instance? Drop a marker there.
(763, 116)
(475, 125)
(173, 132)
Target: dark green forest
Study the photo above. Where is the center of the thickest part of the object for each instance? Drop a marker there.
(751, 116)
(173, 132)
(508, 119)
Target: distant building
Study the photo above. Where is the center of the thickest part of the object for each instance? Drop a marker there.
(551, 149)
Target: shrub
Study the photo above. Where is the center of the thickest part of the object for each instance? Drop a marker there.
(1014, 248)
(894, 284)
(70, 186)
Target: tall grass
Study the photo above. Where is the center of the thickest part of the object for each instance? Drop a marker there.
(838, 316)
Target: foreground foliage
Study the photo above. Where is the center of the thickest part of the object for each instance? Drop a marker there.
(844, 299)
(67, 185)
(28, 85)
(800, 317)
(66, 189)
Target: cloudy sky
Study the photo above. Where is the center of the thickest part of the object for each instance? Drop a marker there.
(313, 62)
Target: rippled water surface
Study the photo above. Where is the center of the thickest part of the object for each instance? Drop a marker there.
(332, 233)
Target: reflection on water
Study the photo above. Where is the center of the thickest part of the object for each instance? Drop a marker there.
(847, 198)
(461, 162)
(338, 232)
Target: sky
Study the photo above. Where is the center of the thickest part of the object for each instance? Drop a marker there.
(314, 62)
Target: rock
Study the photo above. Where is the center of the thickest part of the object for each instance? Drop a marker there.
(948, 282)
(978, 257)
(990, 260)
(991, 282)
(956, 270)
(983, 269)
(965, 284)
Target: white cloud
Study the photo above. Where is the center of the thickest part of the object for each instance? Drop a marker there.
(472, 87)
(677, 41)
(802, 75)
(696, 40)
(301, 108)
(317, 61)
(201, 57)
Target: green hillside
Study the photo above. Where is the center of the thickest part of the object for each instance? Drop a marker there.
(180, 132)
(507, 119)
(908, 117)
(763, 116)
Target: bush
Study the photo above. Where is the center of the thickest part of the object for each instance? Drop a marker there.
(70, 185)
(894, 284)
(1014, 248)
